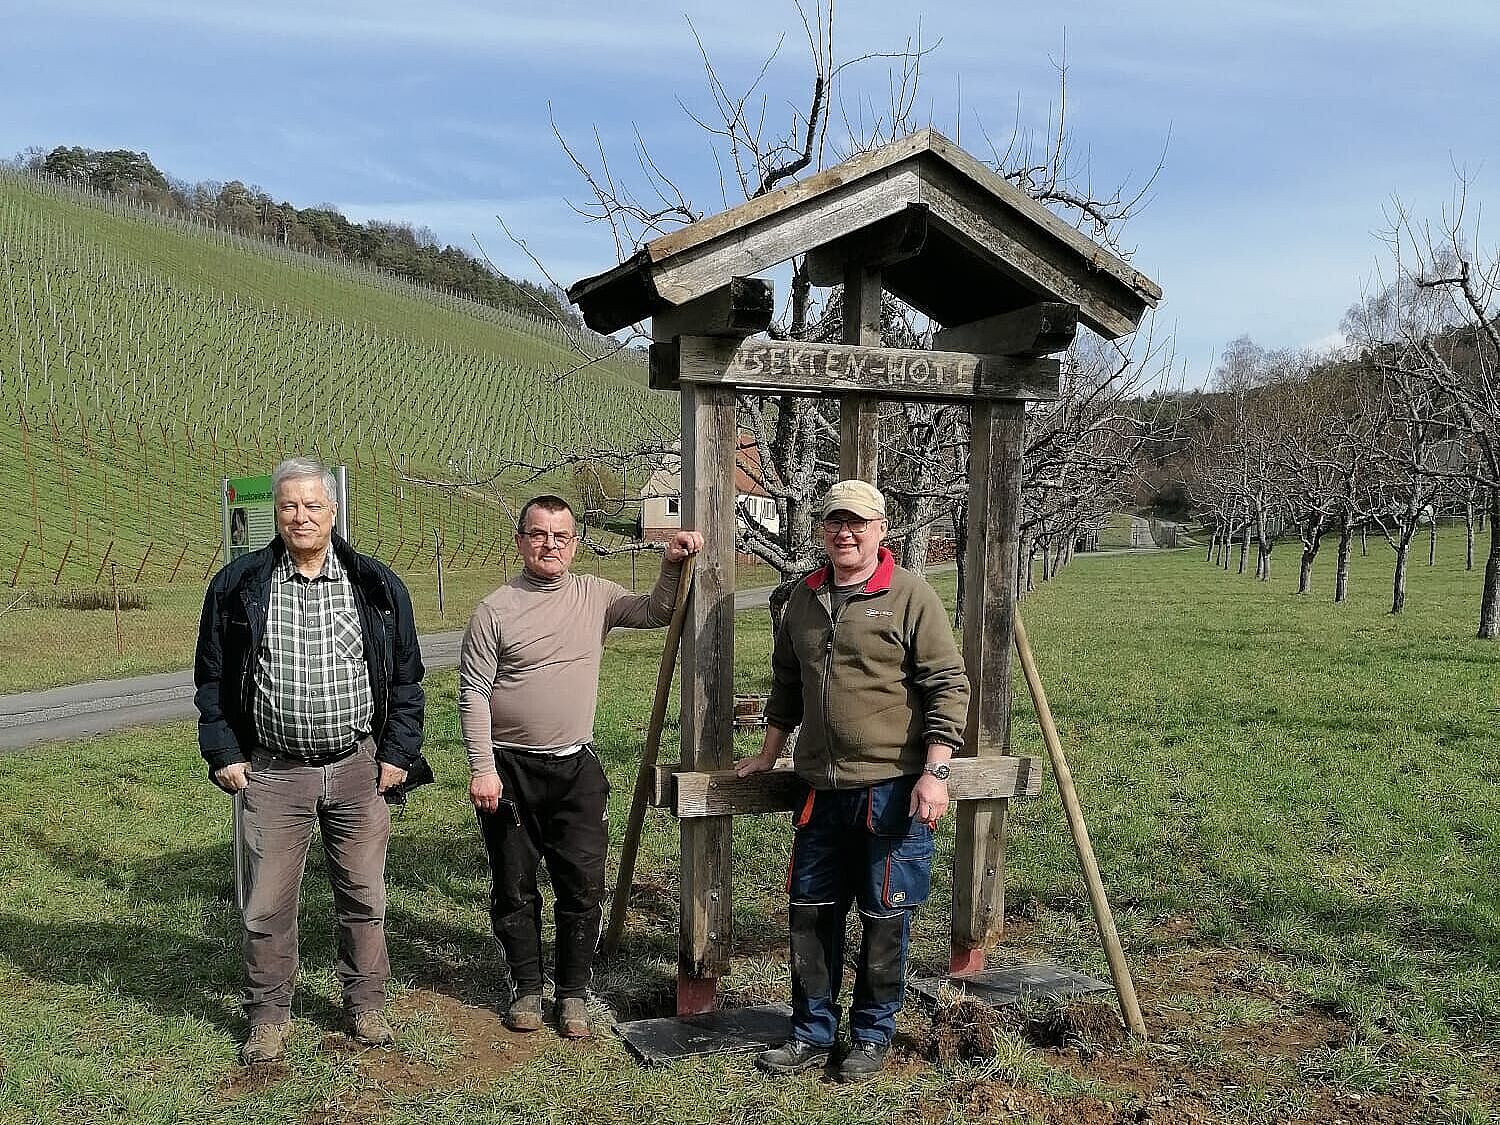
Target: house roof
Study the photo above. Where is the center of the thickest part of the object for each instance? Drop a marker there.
(667, 480)
(988, 247)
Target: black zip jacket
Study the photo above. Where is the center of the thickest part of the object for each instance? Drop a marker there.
(235, 611)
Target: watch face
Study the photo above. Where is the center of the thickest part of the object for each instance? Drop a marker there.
(939, 770)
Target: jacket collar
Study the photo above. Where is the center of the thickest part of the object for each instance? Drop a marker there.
(877, 583)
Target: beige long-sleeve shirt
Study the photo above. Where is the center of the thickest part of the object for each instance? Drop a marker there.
(528, 670)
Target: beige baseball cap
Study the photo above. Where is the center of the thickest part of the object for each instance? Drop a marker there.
(858, 497)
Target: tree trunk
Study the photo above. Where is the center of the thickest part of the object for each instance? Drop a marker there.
(777, 602)
(1489, 602)
(1304, 574)
(1244, 548)
(1262, 549)
(917, 543)
(1432, 540)
(1341, 572)
(1469, 535)
(1046, 560)
(960, 551)
(1364, 542)
(1398, 591)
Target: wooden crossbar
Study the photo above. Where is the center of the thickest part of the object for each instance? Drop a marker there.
(691, 794)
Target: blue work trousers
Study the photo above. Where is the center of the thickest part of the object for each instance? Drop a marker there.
(854, 846)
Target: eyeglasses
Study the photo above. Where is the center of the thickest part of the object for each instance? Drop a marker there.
(537, 538)
(857, 526)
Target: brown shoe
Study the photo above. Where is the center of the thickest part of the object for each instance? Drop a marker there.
(524, 1014)
(573, 1018)
(372, 1029)
(266, 1043)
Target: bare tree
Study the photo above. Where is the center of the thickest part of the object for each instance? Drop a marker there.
(756, 147)
(1452, 343)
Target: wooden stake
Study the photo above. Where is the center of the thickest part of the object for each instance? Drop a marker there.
(1124, 987)
(62, 562)
(16, 574)
(634, 825)
(114, 585)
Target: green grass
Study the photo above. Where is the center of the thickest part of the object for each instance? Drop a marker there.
(1294, 805)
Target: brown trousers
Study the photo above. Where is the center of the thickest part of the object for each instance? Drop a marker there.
(283, 804)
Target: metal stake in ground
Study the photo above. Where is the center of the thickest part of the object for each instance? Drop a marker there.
(1118, 969)
(637, 821)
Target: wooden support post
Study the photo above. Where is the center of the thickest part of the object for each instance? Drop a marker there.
(708, 448)
(859, 415)
(1104, 918)
(646, 775)
(998, 433)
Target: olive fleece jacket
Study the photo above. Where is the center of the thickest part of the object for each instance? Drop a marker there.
(871, 689)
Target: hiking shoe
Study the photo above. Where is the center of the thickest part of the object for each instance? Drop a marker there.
(793, 1057)
(863, 1061)
(265, 1043)
(573, 1018)
(524, 1014)
(372, 1029)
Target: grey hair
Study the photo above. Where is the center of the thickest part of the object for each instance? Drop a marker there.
(298, 468)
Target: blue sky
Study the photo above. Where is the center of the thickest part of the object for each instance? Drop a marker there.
(1288, 128)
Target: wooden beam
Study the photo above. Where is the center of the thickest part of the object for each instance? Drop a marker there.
(1044, 328)
(806, 222)
(722, 793)
(1019, 248)
(997, 439)
(884, 243)
(742, 308)
(795, 367)
(859, 414)
(707, 715)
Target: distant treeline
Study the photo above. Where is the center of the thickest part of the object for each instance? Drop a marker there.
(404, 250)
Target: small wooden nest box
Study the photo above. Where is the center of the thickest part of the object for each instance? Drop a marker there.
(952, 239)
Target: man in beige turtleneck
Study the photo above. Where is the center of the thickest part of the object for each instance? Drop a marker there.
(528, 685)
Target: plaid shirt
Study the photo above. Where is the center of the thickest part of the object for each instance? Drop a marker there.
(312, 688)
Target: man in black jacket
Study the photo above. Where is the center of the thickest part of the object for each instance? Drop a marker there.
(310, 707)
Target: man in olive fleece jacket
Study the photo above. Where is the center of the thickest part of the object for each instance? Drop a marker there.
(528, 685)
(866, 664)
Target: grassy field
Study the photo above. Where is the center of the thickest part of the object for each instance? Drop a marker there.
(141, 361)
(45, 644)
(1295, 807)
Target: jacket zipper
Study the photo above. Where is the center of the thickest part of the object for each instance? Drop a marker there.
(833, 627)
(833, 619)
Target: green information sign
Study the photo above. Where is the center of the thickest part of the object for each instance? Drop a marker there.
(249, 515)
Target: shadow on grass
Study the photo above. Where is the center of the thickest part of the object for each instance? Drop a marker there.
(180, 956)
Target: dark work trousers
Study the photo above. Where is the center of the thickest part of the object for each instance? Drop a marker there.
(854, 846)
(284, 803)
(562, 805)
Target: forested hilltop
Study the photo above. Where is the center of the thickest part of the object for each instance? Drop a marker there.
(406, 251)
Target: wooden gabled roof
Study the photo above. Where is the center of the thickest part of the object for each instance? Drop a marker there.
(983, 247)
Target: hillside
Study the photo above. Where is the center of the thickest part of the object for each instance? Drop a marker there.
(143, 358)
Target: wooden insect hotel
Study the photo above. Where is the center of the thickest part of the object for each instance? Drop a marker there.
(1008, 282)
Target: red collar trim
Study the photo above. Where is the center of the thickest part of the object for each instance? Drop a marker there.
(878, 583)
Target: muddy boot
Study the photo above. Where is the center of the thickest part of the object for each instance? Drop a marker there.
(793, 1057)
(525, 1013)
(265, 1043)
(573, 1018)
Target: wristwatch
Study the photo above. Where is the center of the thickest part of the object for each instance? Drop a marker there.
(938, 770)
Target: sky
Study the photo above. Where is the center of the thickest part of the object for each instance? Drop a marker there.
(1285, 132)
